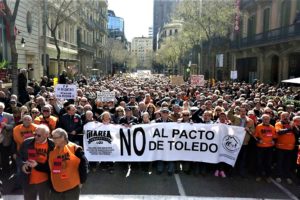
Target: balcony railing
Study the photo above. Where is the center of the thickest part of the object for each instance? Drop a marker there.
(278, 35)
(85, 47)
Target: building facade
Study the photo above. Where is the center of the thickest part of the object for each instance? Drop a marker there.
(267, 47)
(162, 11)
(81, 38)
(115, 26)
(141, 47)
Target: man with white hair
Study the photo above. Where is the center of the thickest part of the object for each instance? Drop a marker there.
(33, 162)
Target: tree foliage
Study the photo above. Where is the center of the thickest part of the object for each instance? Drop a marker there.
(58, 12)
(10, 18)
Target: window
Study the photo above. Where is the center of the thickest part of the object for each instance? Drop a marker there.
(285, 13)
(251, 26)
(266, 24)
(29, 22)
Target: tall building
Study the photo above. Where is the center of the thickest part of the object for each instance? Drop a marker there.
(150, 32)
(268, 44)
(115, 25)
(161, 14)
(141, 47)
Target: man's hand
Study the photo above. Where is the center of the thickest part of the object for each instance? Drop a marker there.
(32, 163)
(26, 168)
(73, 133)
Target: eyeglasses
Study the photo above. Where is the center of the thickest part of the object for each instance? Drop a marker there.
(35, 112)
(46, 110)
(185, 115)
(54, 138)
(37, 135)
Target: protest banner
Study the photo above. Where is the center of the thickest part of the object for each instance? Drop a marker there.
(177, 80)
(211, 143)
(106, 96)
(197, 80)
(233, 75)
(65, 91)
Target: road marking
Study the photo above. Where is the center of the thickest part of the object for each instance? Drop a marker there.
(283, 189)
(138, 197)
(179, 185)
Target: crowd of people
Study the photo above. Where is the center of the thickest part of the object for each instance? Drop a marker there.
(42, 135)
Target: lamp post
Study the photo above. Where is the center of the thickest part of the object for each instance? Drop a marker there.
(23, 42)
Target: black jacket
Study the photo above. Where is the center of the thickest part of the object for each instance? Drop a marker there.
(23, 157)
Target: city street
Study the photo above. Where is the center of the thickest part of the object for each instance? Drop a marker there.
(140, 185)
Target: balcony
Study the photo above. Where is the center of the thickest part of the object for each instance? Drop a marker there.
(274, 36)
(85, 47)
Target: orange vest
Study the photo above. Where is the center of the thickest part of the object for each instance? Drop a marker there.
(41, 157)
(266, 134)
(50, 122)
(64, 168)
(285, 141)
(20, 133)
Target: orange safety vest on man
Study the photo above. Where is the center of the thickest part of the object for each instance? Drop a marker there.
(50, 121)
(287, 140)
(266, 134)
(64, 167)
(20, 133)
(36, 176)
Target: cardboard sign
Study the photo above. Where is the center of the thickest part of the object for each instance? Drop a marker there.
(106, 96)
(65, 91)
(197, 80)
(177, 80)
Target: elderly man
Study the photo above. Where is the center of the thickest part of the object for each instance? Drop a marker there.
(33, 162)
(22, 132)
(241, 119)
(6, 126)
(72, 124)
(46, 118)
(285, 146)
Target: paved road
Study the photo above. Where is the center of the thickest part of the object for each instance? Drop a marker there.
(141, 185)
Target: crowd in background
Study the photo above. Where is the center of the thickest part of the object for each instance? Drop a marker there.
(270, 115)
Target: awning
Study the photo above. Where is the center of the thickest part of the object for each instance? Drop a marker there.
(293, 80)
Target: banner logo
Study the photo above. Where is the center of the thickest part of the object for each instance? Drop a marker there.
(231, 143)
(98, 136)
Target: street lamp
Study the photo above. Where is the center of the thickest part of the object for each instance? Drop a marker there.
(23, 42)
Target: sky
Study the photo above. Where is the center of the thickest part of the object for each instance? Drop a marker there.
(137, 15)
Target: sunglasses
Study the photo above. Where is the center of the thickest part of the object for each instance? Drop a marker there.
(185, 115)
(34, 112)
(51, 99)
(46, 110)
(37, 135)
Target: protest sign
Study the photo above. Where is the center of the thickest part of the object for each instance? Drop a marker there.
(197, 80)
(177, 80)
(106, 96)
(65, 91)
(211, 143)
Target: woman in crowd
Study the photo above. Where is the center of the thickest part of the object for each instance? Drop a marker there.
(120, 112)
(68, 167)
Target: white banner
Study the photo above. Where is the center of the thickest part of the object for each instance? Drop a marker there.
(211, 143)
(233, 75)
(106, 96)
(65, 91)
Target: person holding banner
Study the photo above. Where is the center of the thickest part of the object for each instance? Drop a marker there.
(68, 167)
(242, 120)
(160, 164)
(33, 162)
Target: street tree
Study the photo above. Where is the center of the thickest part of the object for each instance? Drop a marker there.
(206, 20)
(10, 18)
(58, 12)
